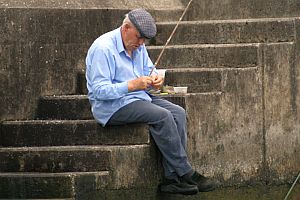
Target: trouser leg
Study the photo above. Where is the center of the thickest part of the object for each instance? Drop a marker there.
(179, 116)
(163, 129)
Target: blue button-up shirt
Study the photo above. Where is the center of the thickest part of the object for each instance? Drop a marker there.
(108, 70)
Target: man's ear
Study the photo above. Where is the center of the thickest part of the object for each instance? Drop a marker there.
(126, 26)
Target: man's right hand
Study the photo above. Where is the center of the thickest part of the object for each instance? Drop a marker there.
(140, 83)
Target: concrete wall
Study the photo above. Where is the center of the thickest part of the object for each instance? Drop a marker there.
(249, 132)
(260, 104)
(120, 4)
(281, 113)
(225, 130)
(36, 49)
(243, 9)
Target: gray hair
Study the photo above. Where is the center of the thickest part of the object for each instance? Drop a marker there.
(127, 21)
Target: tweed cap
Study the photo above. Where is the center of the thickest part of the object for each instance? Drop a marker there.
(143, 22)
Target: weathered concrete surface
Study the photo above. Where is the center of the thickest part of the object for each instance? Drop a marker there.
(35, 186)
(227, 31)
(64, 107)
(261, 192)
(232, 9)
(206, 55)
(297, 68)
(49, 185)
(219, 126)
(70, 132)
(281, 114)
(197, 80)
(129, 165)
(55, 159)
(147, 4)
(220, 123)
(135, 166)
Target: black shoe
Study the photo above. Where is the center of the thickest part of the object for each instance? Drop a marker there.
(176, 187)
(204, 184)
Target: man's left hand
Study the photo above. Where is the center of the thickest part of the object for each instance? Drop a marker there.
(157, 81)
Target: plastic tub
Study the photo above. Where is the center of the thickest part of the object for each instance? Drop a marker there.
(180, 90)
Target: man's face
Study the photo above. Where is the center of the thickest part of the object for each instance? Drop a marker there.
(132, 39)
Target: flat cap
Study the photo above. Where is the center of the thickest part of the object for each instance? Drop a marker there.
(143, 22)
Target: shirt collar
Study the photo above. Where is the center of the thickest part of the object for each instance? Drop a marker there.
(119, 41)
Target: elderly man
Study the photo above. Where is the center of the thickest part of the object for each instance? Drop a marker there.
(117, 73)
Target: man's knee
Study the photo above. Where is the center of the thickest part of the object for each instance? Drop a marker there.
(180, 111)
(160, 115)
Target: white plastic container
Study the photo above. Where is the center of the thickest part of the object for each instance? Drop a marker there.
(180, 90)
(161, 72)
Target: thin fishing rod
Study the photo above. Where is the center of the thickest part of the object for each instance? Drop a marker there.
(169, 39)
(287, 195)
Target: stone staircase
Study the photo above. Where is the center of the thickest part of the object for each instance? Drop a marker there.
(69, 158)
(238, 72)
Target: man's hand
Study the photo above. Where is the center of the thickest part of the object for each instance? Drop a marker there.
(140, 83)
(157, 81)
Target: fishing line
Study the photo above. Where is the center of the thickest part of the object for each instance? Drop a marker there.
(169, 39)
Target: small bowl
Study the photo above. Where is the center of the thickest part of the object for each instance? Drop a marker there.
(180, 90)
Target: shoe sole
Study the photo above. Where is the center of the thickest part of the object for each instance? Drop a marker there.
(187, 192)
(183, 193)
(207, 189)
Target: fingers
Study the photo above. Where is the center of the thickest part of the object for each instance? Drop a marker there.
(140, 83)
(146, 81)
(157, 81)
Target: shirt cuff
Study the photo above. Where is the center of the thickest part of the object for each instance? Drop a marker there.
(124, 88)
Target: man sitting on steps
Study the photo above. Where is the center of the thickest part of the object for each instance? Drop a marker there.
(117, 73)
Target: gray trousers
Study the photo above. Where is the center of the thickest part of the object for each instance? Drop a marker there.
(167, 123)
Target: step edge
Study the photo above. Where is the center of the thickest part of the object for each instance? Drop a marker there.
(51, 174)
(77, 148)
(231, 21)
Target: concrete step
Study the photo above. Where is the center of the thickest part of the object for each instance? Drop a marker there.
(108, 4)
(41, 199)
(55, 159)
(71, 107)
(227, 31)
(84, 24)
(55, 186)
(60, 159)
(206, 55)
(129, 166)
(231, 9)
(69, 132)
(191, 57)
(196, 79)
(74, 110)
